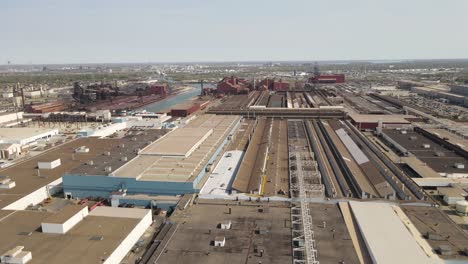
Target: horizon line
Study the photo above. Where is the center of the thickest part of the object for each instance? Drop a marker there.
(237, 61)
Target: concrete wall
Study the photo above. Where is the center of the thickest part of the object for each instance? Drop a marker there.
(36, 197)
(127, 244)
(48, 165)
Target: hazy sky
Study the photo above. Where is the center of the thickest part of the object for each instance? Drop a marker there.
(66, 31)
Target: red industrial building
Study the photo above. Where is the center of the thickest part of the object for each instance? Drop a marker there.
(273, 85)
(159, 89)
(232, 85)
(331, 78)
(280, 86)
(188, 108)
(371, 122)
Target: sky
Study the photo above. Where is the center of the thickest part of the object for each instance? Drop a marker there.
(113, 31)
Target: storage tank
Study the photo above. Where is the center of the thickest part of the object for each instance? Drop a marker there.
(462, 208)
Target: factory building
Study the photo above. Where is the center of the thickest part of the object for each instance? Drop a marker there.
(33, 94)
(25, 135)
(102, 131)
(232, 85)
(6, 117)
(10, 150)
(7, 95)
(331, 78)
(184, 109)
(272, 84)
(173, 165)
(159, 89)
(459, 89)
(437, 93)
(188, 108)
(365, 122)
(103, 235)
(35, 228)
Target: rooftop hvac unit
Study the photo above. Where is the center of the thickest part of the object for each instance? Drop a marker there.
(16, 255)
(426, 146)
(122, 145)
(108, 169)
(459, 165)
(123, 159)
(107, 153)
(6, 183)
(404, 132)
(90, 162)
(82, 149)
(412, 137)
(439, 154)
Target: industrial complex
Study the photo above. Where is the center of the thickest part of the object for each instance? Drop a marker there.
(275, 168)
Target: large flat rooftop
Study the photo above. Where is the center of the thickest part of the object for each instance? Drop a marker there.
(118, 152)
(333, 240)
(25, 174)
(436, 156)
(198, 227)
(386, 237)
(396, 119)
(21, 132)
(181, 142)
(451, 138)
(181, 169)
(435, 221)
(23, 228)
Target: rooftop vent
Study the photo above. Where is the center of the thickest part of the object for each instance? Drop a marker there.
(6, 183)
(24, 233)
(82, 149)
(226, 225)
(444, 250)
(96, 238)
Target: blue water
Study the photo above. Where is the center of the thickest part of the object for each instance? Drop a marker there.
(169, 102)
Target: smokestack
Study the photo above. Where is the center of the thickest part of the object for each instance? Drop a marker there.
(22, 97)
(201, 85)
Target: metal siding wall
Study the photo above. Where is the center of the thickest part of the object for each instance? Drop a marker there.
(84, 186)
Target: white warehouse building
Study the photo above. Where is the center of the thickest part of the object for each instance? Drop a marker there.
(25, 135)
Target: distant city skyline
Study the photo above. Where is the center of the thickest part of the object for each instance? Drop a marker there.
(63, 32)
